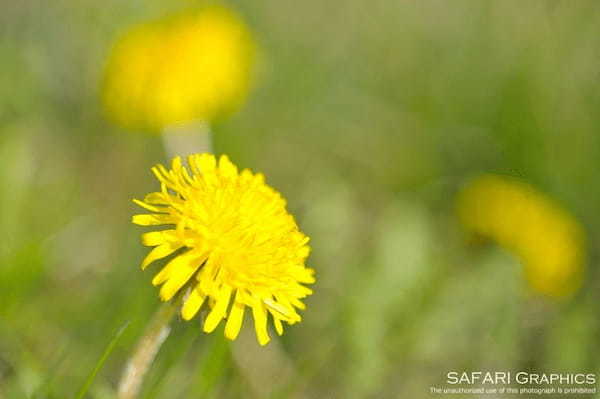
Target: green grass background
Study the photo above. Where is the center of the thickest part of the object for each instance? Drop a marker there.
(368, 116)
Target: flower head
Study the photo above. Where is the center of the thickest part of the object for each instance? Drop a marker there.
(188, 67)
(549, 241)
(233, 245)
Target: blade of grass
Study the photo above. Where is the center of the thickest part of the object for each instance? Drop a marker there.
(109, 348)
(212, 366)
(44, 389)
(178, 348)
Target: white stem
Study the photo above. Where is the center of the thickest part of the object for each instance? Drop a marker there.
(185, 139)
(156, 333)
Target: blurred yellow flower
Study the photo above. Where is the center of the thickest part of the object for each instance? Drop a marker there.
(233, 241)
(548, 240)
(188, 67)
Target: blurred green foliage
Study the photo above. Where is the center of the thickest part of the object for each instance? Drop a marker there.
(368, 116)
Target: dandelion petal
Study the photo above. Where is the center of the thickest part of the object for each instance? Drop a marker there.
(234, 320)
(218, 312)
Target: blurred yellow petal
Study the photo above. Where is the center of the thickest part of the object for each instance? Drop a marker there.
(152, 220)
(160, 252)
(192, 304)
(278, 326)
(234, 319)
(218, 312)
(260, 323)
(179, 262)
(149, 207)
(155, 238)
(226, 168)
(182, 269)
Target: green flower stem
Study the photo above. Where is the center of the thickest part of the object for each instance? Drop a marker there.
(147, 347)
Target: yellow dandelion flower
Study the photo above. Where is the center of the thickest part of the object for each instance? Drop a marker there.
(549, 241)
(188, 67)
(234, 245)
